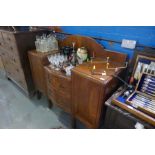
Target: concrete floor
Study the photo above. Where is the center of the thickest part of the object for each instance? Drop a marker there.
(18, 111)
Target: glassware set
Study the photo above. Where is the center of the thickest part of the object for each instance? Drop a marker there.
(60, 62)
(46, 43)
(57, 60)
(65, 60)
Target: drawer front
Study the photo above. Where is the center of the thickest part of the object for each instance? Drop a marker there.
(8, 37)
(61, 84)
(2, 45)
(14, 59)
(5, 60)
(10, 48)
(13, 69)
(9, 43)
(20, 78)
(17, 74)
(60, 99)
(11, 58)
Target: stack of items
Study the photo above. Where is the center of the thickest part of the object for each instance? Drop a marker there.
(46, 43)
(68, 58)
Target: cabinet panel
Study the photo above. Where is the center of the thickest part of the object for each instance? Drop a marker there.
(86, 99)
(8, 37)
(37, 62)
(61, 84)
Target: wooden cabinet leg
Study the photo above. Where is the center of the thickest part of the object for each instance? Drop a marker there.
(50, 104)
(73, 123)
(39, 95)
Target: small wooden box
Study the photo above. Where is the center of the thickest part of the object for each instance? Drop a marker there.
(143, 98)
(139, 73)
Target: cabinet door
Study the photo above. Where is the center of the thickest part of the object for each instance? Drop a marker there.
(37, 63)
(86, 99)
(37, 72)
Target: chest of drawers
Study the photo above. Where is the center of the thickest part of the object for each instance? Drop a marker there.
(13, 50)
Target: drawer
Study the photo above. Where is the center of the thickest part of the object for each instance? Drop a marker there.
(22, 83)
(5, 59)
(14, 59)
(2, 45)
(60, 84)
(18, 71)
(10, 48)
(61, 100)
(11, 58)
(64, 96)
(8, 37)
(17, 74)
(57, 83)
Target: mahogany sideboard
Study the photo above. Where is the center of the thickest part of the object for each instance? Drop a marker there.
(82, 95)
(13, 50)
